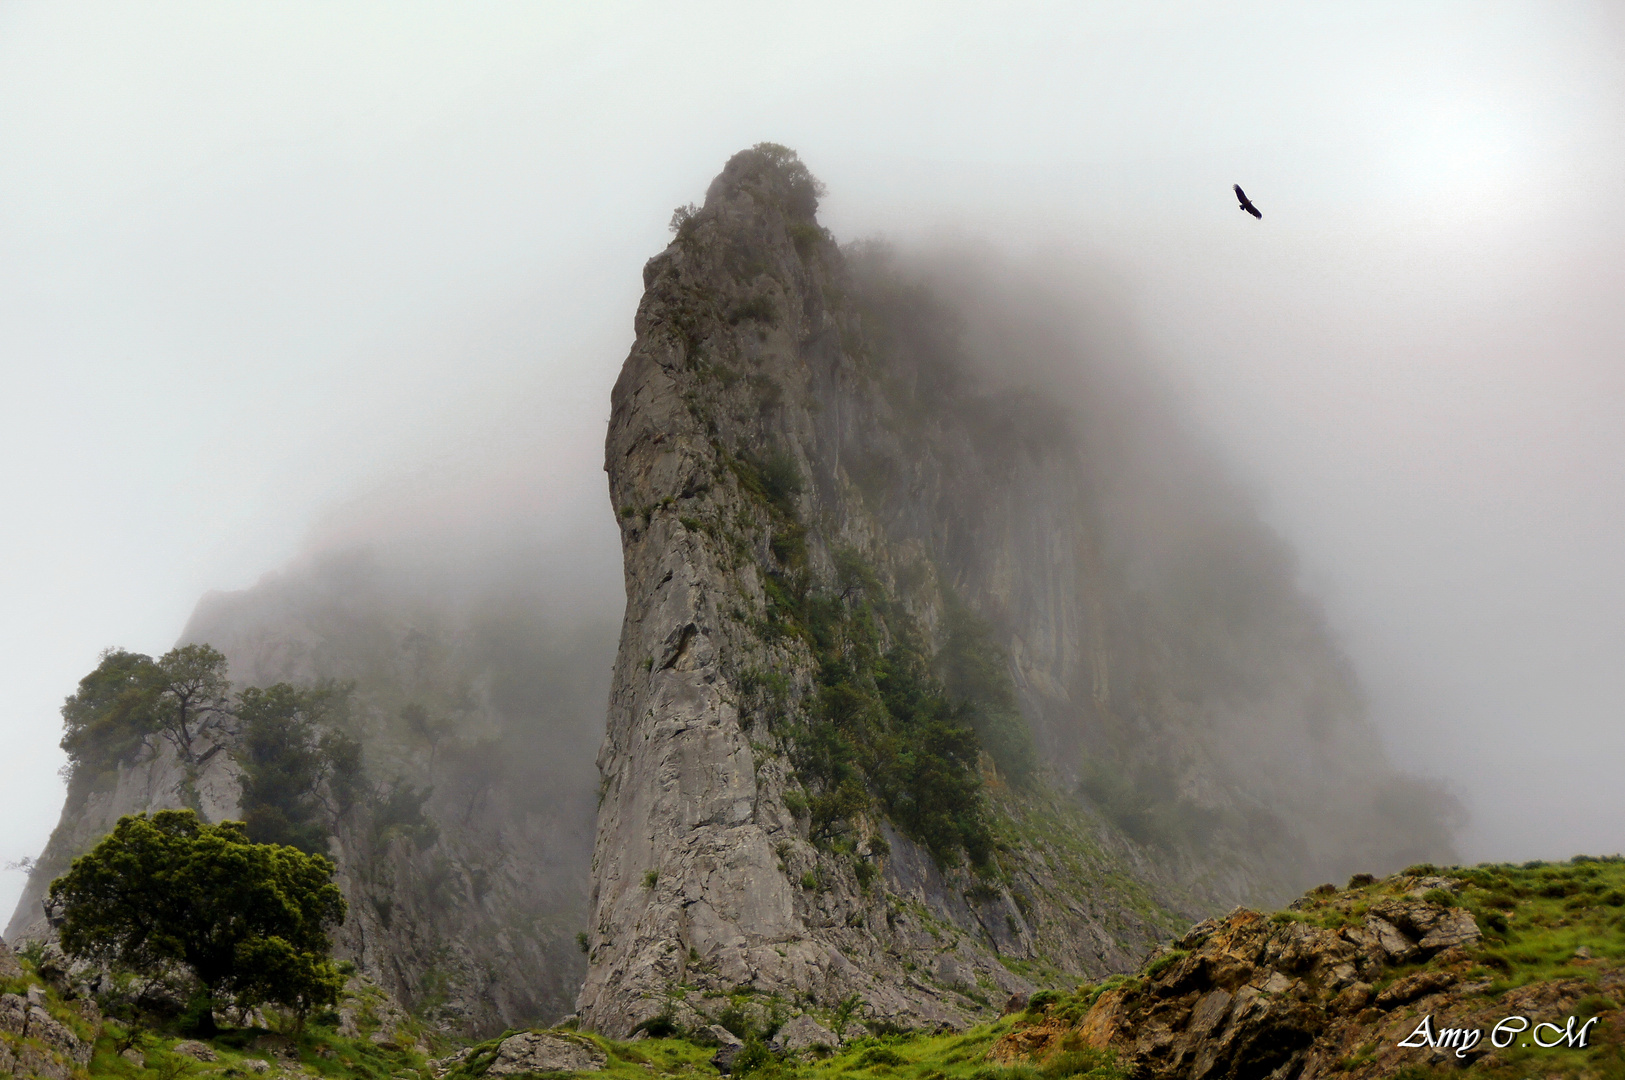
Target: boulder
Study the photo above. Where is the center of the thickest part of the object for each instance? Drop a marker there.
(802, 1033)
(194, 1049)
(1394, 946)
(1455, 927)
(730, 1045)
(546, 1051)
(13, 1014)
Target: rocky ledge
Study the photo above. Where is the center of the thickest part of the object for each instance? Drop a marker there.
(1369, 981)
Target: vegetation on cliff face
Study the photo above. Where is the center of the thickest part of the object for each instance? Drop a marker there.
(888, 726)
(882, 731)
(131, 699)
(300, 771)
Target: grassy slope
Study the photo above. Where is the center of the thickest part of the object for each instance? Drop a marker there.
(1536, 919)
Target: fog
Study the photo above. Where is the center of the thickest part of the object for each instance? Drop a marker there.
(281, 280)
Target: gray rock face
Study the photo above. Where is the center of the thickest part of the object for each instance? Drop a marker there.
(756, 336)
(1455, 926)
(52, 1051)
(155, 780)
(543, 1051)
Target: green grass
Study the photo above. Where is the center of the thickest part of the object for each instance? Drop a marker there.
(1535, 918)
(949, 1056)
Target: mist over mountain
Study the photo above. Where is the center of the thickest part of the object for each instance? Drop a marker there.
(932, 598)
(888, 624)
(474, 625)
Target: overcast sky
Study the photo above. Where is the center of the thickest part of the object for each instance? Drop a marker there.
(261, 265)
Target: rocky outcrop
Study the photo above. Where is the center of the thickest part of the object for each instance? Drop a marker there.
(544, 1052)
(197, 1051)
(157, 779)
(798, 435)
(33, 1043)
(803, 1033)
(1328, 988)
(467, 918)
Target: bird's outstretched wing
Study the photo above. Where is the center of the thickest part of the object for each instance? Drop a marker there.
(1246, 203)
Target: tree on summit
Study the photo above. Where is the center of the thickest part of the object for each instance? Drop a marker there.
(130, 698)
(188, 687)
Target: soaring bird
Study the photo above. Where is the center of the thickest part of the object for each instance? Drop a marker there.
(1246, 203)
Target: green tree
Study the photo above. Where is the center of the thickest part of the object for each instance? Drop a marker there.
(290, 755)
(976, 674)
(189, 687)
(249, 920)
(131, 697)
(110, 717)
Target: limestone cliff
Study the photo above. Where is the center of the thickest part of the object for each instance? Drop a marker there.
(842, 543)
(487, 706)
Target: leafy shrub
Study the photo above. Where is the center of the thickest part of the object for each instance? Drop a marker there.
(804, 189)
(754, 1057)
(399, 813)
(1164, 962)
(880, 1055)
(663, 1026)
(758, 307)
(806, 236)
(682, 219)
(1043, 999)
